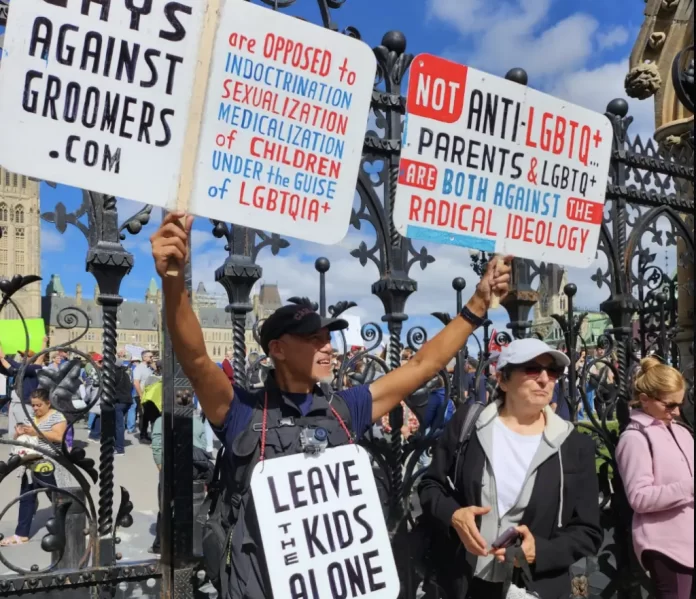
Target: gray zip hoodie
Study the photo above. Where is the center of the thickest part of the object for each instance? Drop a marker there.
(494, 524)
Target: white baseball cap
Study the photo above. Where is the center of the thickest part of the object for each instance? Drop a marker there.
(522, 351)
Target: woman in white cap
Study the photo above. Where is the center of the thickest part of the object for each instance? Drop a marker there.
(525, 472)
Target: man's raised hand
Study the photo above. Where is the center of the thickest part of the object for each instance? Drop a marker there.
(495, 281)
(170, 243)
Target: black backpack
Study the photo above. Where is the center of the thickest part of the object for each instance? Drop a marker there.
(123, 392)
(424, 537)
(216, 521)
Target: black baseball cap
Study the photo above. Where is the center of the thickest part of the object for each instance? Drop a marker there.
(295, 319)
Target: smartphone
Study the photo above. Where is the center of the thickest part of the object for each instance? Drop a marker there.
(507, 539)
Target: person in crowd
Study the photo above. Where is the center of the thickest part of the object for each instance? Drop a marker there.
(142, 372)
(123, 399)
(151, 401)
(134, 413)
(475, 393)
(298, 343)
(57, 358)
(559, 401)
(523, 468)
(202, 464)
(91, 391)
(40, 471)
(10, 368)
(655, 457)
(228, 365)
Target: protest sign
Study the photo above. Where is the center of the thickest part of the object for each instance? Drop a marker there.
(13, 335)
(96, 94)
(493, 165)
(322, 526)
(283, 125)
(135, 351)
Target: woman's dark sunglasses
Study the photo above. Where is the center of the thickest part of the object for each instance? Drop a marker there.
(532, 369)
(672, 405)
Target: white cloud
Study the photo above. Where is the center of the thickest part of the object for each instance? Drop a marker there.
(51, 240)
(612, 38)
(520, 33)
(595, 88)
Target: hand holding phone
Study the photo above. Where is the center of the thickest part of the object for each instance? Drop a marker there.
(507, 539)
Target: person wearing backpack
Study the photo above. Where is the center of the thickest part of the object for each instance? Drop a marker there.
(655, 457)
(515, 466)
(123, 399)
(278, 419)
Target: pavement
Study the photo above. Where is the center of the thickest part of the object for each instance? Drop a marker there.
(136, 471)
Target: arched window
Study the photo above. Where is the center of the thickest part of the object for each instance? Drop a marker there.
(3, 212)
(19, 215)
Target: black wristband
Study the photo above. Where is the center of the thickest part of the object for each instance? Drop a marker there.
(470, 317)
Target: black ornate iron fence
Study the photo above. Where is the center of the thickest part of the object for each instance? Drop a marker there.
(648, 185)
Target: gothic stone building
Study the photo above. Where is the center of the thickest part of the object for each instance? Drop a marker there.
(140, 324)
(20, 242)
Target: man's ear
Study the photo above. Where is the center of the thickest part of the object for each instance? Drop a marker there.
(276, 351)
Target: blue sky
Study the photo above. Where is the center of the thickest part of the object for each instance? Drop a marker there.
(575, 49)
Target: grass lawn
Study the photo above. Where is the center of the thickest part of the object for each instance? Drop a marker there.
(613, 427)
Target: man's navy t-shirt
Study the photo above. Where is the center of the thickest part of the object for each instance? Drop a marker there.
(358, 399)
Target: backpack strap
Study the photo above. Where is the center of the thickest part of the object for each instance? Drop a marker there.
(514, 556)
(634, 426)
(473, 412)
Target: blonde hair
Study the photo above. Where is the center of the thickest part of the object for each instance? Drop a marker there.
(656, 379)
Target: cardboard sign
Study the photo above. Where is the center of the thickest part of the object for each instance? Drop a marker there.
(95, 94)
(322, 526)
(13, 336)
(493, 165)
(283, 125)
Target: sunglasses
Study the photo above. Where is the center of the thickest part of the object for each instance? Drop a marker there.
(534, 370)
(670, 406)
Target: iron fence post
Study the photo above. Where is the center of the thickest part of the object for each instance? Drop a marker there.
(570, 290)
(176, 500)
(238, 275)
(322, 266)
(459, 284)
(620, 306)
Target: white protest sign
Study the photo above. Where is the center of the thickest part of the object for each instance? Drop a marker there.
(493, 165)
(322, 526)
(96, 94)
(352, 334)
(135, 351)
(283, 125)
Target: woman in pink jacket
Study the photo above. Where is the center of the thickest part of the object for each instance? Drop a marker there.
(656, 462)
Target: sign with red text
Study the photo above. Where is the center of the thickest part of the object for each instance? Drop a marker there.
(283, 126)
(493, 165)
(322, 526)
(96, 94)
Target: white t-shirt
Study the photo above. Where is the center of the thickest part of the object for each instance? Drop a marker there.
(512, 455)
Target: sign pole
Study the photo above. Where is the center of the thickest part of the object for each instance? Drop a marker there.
(195, 117)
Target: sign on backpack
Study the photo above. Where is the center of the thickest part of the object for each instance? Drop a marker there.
(496, 166)
(323, 532)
